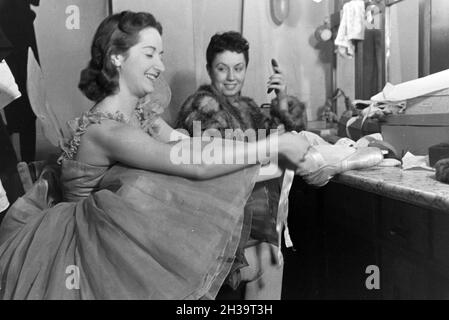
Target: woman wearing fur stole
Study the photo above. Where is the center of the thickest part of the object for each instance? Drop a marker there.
(221, 106)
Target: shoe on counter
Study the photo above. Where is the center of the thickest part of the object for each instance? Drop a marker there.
(362, 158)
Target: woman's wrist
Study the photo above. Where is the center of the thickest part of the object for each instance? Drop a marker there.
(267, 149)
(282, 94)
(282, 98)
(281, 143)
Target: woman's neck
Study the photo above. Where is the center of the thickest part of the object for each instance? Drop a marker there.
(233, 99)
(119, 102)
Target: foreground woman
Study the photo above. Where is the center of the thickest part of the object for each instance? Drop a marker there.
(135, 225)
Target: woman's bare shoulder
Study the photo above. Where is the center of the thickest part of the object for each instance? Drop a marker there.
(109, 129)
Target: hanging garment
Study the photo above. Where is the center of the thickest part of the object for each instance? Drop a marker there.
(16, 20)
(9, 91)
(352, 27)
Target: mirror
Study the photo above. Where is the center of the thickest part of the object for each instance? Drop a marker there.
(402, 41)
(416, 33)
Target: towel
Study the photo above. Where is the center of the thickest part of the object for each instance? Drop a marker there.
(352, 27)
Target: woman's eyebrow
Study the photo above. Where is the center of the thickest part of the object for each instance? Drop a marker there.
(232, 66)
(153, 48)
(150, 47)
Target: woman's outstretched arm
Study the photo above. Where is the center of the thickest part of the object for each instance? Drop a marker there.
(165, 133)
(162, 131)
(188, 158)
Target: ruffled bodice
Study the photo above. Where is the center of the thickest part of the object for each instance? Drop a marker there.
(79, 179)
(79, 127)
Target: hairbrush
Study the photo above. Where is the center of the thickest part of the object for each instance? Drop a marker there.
(274, 64)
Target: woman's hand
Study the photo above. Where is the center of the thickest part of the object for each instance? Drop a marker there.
(294, 148)
(278, 83)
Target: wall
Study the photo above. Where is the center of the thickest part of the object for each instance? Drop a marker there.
(187, 28)
(306, 63)
(64, 53)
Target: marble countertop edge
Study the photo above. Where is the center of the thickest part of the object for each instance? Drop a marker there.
(418, 187)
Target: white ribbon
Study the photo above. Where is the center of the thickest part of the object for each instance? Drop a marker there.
(282, 216)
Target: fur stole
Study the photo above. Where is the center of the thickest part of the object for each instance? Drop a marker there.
(215, 111)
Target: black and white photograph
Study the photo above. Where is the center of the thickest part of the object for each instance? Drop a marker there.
(247, 152)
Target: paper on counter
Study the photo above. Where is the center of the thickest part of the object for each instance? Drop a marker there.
(9, 91)
(414, 88)
(410, 161)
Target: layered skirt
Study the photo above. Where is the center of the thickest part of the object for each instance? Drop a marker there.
(140, 235)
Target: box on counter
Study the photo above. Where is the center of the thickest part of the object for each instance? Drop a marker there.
(416, 132)
(425, 121)
(434, 102)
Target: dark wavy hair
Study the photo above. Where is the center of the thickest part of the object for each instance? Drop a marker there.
(227, 41)
(115, 35)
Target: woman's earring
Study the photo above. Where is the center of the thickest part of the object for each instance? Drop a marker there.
(116, 64)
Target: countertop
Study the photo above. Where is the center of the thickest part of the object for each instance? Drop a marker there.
(418, 187)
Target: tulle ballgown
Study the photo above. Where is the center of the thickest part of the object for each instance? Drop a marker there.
(129, 233)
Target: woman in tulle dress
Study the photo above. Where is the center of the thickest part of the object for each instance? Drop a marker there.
(133, 223)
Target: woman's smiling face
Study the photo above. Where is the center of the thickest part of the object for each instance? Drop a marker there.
(142, 64)
(227, 72)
